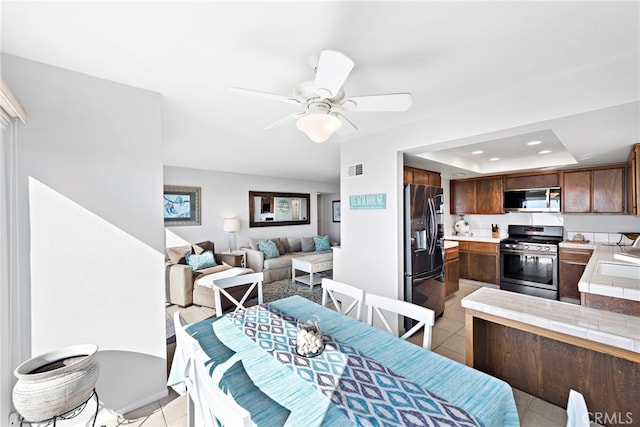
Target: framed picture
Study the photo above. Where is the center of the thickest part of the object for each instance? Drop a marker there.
(181, 206)
(335, 209)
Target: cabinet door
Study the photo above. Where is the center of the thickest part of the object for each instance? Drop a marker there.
(632, 193)
(451, 271)
(408, 176)
(572, 265)
(489, 196)
(463, 264)
(483, 268)
(608, 190)
(576, 190)
(463, 197)
(525, 182)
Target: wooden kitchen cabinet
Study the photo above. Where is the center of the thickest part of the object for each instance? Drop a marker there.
(571, 267)
(526, 182)
(476, 196)
(633, 181)
(422, 177)
(600, 190)
(451, 270)
(479, 261)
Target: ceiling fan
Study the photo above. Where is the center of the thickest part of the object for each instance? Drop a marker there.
(324, 98)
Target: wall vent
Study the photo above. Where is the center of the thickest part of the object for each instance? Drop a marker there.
(356, 170)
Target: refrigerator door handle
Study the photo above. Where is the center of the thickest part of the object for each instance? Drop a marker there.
(432, 225)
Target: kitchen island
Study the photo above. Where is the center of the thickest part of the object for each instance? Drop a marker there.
(545, 347)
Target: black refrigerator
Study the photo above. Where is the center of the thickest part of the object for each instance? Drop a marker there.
(423, 252)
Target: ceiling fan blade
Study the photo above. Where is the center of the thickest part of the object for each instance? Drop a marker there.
(386, 102)
(265, 95)
(347, 127)
(284, 120)
(332, 71)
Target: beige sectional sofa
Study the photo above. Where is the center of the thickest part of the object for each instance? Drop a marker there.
(279, 268)
(181, 281)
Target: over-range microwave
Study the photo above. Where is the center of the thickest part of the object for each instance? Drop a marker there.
(533, 200)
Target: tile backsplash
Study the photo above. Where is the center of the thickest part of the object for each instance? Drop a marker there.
(610, 238)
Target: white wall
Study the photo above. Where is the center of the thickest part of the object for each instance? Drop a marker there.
(89, 183)
(226, 195)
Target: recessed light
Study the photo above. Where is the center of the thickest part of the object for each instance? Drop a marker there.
(534, 142)
(477, 152)
(493, 159)
(544, 152)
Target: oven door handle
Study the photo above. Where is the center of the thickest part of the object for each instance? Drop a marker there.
(529, 253)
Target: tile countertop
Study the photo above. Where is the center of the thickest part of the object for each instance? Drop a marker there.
(450, 244)
(606, 327)
(487, 239)
(600, 284)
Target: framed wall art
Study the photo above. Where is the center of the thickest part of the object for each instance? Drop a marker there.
(181, 206)
(335, 210)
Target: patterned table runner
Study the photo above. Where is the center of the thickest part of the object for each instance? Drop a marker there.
(365, 390)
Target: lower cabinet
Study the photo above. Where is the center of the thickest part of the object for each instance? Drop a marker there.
(480, 261)
(451, 270)
(571, 267)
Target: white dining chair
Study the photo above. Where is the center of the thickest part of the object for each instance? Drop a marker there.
(331, 287)
(221, 286)
(577, 413)
(218, 407)
(185, 345)
(424, 316)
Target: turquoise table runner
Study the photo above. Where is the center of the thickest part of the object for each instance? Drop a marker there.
(366, 391)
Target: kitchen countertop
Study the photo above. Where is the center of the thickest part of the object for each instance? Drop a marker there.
(600, 284)
(606, 327)
(450, 244)
(487, 239)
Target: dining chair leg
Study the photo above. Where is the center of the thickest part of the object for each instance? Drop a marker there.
(191, 412)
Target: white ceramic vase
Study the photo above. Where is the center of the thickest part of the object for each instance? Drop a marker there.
(54, 383)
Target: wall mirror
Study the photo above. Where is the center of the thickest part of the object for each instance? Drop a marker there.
(275, 209)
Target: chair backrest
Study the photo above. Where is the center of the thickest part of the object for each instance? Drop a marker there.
(185, 347)
(218, 407)
(577, 413)
(330, 287)
(424, 316)
(221, 286)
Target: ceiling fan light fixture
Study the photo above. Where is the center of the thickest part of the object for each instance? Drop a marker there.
(319, 126)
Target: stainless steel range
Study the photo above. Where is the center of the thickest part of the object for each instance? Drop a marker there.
(529, 260)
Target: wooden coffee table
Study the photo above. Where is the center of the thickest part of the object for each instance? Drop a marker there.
(311, 264)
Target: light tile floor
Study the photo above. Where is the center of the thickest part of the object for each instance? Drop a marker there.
(448, 340)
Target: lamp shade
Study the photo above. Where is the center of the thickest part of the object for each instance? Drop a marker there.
(319, 126)
(231, 224)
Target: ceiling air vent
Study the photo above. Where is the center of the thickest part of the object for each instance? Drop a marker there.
(356, 170)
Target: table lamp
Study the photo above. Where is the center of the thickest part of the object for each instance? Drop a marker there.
(231, 225)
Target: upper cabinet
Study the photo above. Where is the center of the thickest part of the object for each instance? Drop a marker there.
(633, 181)
(600, 190)
(422, 177)
(527, 182)
(476, 196)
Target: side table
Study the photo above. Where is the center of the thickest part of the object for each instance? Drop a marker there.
(234, 258)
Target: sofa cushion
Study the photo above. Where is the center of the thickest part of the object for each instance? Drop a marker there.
(285, 245)
(294, 245)
(201, 247)
(283, 261)
(308, 245)
(176, 254)
(279, 244)
(201, 261)
(322, 243)
(253, 244)
(269, 249)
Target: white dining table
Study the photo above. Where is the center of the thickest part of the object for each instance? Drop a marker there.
(278, 394)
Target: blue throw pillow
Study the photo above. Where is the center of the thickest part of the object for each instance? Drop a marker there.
(322, 243)
(269, 248)
(198, 262)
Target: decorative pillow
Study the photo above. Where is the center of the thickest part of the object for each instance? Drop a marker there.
(308, 245)
(285, 245)
(269, 248)
(279, 244)
(177, 253)
(253, 244)
(322, 243)
(202, 247)
(294, 245)
(203, 260)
